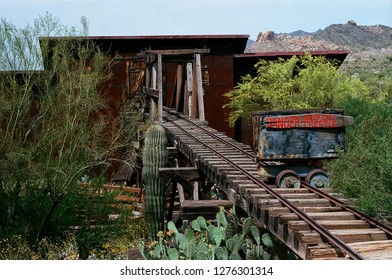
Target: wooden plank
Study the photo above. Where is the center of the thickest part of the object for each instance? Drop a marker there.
(148, 75)
(200, 92)
(200, 204)
(341, 215)
(189, 86)
(346, 235)
(375, 250)
(265, 204)
(160, 88)
(360, 235)
(173, 99)
(287, 195)
(321, 252)
(153, 103)
(329, 224)
(177, 51)
(154, 76)
(277, 211)
(179, 85)
(194, 92)
(188, 173)
(126, 198)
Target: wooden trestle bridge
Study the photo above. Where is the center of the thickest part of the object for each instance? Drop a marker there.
(314, 223)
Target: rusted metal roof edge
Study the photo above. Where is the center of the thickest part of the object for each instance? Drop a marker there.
(238, 41)
(160, 37)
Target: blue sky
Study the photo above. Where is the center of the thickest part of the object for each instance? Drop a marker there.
(196, 17)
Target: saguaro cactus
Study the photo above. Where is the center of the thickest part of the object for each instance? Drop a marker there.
(154, 157)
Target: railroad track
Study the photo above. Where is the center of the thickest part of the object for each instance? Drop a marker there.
(314, 223)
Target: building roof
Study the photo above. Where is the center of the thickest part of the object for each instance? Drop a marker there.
(131, 44)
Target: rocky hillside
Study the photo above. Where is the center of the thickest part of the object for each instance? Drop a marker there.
(370, 45)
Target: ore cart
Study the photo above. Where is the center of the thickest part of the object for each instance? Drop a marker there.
(291, 145)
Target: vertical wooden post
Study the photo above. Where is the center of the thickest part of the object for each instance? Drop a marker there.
(154, 76)
(160, 88)
(194, 92)
(186, 100)
(189, 80)
(153, 105)
(200, 91)
(148, 75)
(179, 86)
(128, 79)
(172, 200)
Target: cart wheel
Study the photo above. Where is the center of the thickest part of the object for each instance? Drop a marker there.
(288, 179)
(317, 178)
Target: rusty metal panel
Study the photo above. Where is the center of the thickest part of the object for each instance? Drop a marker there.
(303, 135)
(220, 71)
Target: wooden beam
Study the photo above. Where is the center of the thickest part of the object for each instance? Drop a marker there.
(160, 87)
(200, 91)
(172, 103)
(154, 76)
(177, 51)
(148, 74)
(194, 93)
(189, 80)
(152, 92)
(185, 176)
(153, 105)
(179, 85)
(188, 173)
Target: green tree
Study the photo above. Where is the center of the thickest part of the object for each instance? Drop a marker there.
(297, 83)
(52, 124)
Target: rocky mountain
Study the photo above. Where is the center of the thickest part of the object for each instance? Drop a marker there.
(365, 43)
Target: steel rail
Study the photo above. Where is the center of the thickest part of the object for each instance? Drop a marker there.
(358, 214)
(312, 223)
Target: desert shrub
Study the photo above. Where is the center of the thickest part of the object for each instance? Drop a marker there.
(53, 131)
(364, 171)
(297, 83)
(18, 248)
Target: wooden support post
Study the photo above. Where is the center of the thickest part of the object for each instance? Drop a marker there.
(160, 88)
(148, 74)
(172, 200)
(127, 67)
(172, 103)
(179, 85)
(194, 92)
(200, 91)
(186, 100)
(154, 76)
(153, 105)
(195, 190)
(189, 81)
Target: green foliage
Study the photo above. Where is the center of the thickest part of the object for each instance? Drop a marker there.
(53, 130)
(364, 172)
(225, 239)
(298, 83)
(17, 248)
(154, 157)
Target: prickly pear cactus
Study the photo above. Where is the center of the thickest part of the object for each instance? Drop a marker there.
(154, 157)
